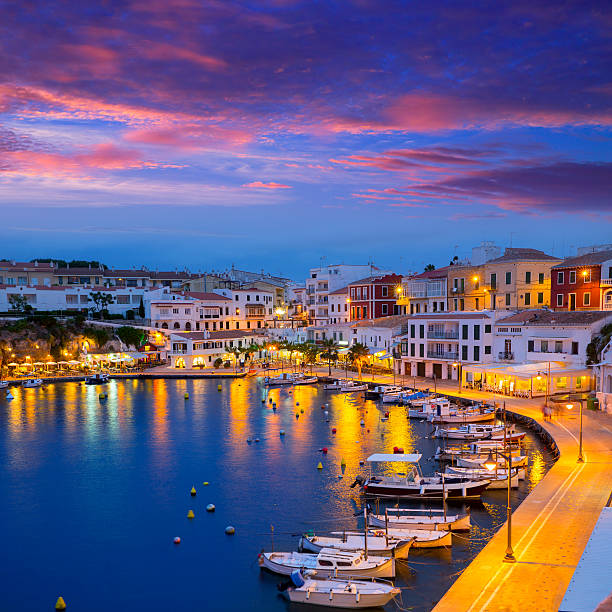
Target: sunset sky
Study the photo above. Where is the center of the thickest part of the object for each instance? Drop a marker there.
(178, 133)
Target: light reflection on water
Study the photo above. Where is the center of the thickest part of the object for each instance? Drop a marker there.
(106, 482)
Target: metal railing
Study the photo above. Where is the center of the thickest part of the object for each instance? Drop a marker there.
(504, 356)
(441, 355)
(442, 335)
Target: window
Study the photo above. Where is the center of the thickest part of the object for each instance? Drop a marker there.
(527, 299)
(586, 276)
(464, 332)
(540, 298)
(476, 332)
(464, 353)
(412, 350)
(493, 282)
(412, 331)
(527, 278)
(385, 309)
(455, 302)
(586, 299)
(385, 291)
(365, 312)
(84, 299)
(187, 310)
(544, 346)
(71, 299)
(508, 278)
(558, 346)
(530, 346)
(487, 329)
(236, 298)
(248, 298)
(559, 299)
(560, 278)
(461, 304)
(476, 353)
(487, 350)
(421, 350)
(574, 348)
(477, 304)
(421, 331)
(507, 299)
(175, 311)
(572, 277)
(541, 278)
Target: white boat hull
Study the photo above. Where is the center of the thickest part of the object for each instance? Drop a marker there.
(436, 523)
(3, 384)
(306, 381)
(352, 595)
(478, 461)
(381, 568)
(421, 538)
(376, 545)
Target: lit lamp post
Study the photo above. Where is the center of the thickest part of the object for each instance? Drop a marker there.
(491, 464)
(580, 457)
(457, 364)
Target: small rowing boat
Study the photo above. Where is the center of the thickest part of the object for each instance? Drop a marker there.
(353, 541)
(430, 519)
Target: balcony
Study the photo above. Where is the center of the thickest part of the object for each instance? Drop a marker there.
(606, 282)
(179, 352)
(441, 355)
(503, 356)
(457, 290)
(255, 313)
(442, 335)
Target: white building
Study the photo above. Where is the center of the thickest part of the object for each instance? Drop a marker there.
(325, 279)
(201, 349)
(441, 345)
(425, 292)
(339, 310)
(603, 373)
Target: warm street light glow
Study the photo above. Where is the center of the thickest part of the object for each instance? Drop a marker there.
(569, 406)
(584, 272)
(490, 463)
(475, 279)
(454, 364)
(398, 290)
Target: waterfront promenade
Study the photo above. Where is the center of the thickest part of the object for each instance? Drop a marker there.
(550, 529)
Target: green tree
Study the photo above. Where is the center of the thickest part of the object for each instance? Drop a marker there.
(357, 354)
(141, 309)
(218, 362)
(98, 334)
(19, 303)
(597, 344)
(101, 300)
(130, 336)
(329, 352)
(429, 267)
(236, 352)
(311, 354)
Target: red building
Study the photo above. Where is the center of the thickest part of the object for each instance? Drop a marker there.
(583, 282)
(374, 297)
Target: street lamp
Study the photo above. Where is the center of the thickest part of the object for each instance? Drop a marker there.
(457, 364)
(580, 457)
(490, 463)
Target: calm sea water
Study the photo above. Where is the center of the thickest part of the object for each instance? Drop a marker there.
(93, 493)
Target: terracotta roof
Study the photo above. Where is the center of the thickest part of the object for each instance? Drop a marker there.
(589, 259)
(520, 254)
(451, 315)
(375, 278)
(79, 272)
(390, 322)
(341, 291)
(437, 273)
(26, 265)
(207, 296)
(548, 317)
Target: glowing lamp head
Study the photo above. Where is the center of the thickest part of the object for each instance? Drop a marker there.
(569, 406)
(455, 364)
(475, 279)
(398, 290)
(490, 463)
(584, 273)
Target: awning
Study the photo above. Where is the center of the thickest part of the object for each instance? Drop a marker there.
(13, 365)
(73, 362)
(51, 363)
(393, 458)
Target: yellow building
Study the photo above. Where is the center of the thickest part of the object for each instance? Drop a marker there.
(519, 279)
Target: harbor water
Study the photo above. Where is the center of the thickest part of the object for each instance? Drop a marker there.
(94, 492)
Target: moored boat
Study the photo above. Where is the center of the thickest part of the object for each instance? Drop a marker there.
(32, 382)
(337, 593)
(4, 384)
(97, 379)
(470, 431)
(499, 478)
(430, 519)
(422, 538)
(283, 379)
(301, 379)
(352, 541)
(350, 386)
(329, 563)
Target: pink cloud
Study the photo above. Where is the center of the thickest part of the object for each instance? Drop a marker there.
(190, 137)
(271, 185)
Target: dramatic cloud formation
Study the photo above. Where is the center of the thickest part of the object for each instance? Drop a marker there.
(470, 112)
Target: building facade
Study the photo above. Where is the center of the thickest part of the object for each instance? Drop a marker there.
(425, 292)
(374, 297)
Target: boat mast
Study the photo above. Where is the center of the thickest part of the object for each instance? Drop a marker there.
(365, 532)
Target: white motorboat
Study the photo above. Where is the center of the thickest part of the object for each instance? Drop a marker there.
(4, 384)
(520, 471)
(354, 541)
(283, 379)
(350, 386)
(392, 397)
(32, 382)
(430, 519)
(471, 431)
(424, 408)
(499, 478)
(382, 390)
(477, 461)
(329, 563)
(422, 538)
(413, 484)
(97, 379)
(300, 379)
(337, 593)
(454, 414)
(334, 386)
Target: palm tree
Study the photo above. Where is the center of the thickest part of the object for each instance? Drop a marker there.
(357, 355)
(236, 352)
(329, 352)
(311, 352)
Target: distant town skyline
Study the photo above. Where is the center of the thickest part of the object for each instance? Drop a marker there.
(271, 134)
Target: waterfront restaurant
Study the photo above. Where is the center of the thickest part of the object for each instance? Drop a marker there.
(527, 380)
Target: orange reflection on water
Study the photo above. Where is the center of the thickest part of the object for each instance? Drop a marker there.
(160, 410)
(537, 468)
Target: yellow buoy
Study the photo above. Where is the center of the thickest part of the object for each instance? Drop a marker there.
(320, 466)
(343, 462)
(219, 387)
(193, 491)
(205, 483)
(186, 395)
(190, 514)
(60, 604)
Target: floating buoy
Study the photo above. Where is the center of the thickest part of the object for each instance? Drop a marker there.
(186, 395)
(101, 396)
(362, 422)
(229, 530)
(320, 466)
(190, 514)
(340, 476)
(297, 403)
(263, 401)
(256, 439)
(60, 604)
(270, 400)
(205, 483)
(326, 412)
(343, 462)
(282, 432)
(297, 415)
(210, 508)
(177, 540)
(386, 415)
(249, 440)
(324, 450)
(193, 491)
(361, 462)
(9, 396)
(323, 407)
(219, 387)
(333, 430)
(398, 450)
(368, 431)
(302, 411)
